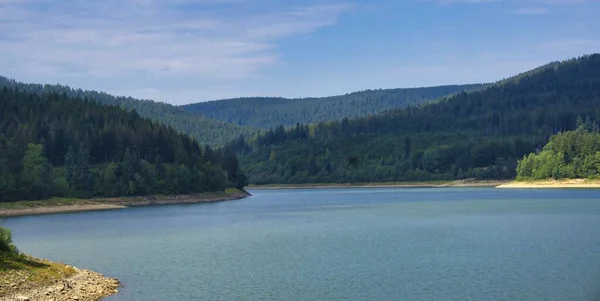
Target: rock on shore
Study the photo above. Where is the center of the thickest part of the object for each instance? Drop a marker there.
(82, 285)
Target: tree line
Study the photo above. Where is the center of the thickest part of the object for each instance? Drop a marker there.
(52, 145)
(205, 131)
(480, 134)
(571, 154)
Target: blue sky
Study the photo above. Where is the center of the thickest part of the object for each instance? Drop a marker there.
(183, 51)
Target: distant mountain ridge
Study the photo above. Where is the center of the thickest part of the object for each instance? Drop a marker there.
(270, 112)
(204, 130)
(480, 134)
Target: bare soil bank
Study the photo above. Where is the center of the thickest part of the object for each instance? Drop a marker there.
(429, 184)
(75, 205)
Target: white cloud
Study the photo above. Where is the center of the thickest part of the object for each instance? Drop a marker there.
(523, 7)
(202, 40)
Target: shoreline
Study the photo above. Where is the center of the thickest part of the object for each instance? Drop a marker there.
(425, 184)
(37, 279)
(56, 206)
(552, 184)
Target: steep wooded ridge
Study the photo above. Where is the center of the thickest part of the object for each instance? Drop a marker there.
(204, 130)
(479, 134)
(269, 112)
(54, 145)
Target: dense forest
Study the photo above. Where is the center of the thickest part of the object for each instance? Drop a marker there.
(269, 112)
(54, 145)
(204, 130)
(571, 154)
(479, 134)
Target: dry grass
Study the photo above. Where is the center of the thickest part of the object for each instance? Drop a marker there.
(22, 273)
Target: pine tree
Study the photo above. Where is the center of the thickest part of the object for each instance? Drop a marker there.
(312, 166)
(84, 178)
(35, 177)
(71, 166)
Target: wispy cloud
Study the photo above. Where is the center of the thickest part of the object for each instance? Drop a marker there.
(207, 40)
(492, 66)
(550, 2)
(530, 11)
(183, 51)
(523, 7)
(564, 2)
(466, 1)
(572, 46)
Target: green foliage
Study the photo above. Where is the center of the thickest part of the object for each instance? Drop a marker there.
(232, 191)
(572, 154)
(481, 134)
(35, 174)
(60, 186)
(55, 146)
(269, 112)
(205, 131)
(6, 245)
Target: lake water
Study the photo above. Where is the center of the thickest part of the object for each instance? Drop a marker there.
(339, 244)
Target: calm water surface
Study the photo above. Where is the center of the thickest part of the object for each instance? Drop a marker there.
(339, 244)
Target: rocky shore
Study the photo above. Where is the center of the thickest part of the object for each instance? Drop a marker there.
(59, 282)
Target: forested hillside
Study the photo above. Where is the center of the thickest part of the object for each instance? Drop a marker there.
(479, 134)
(268, 112)
(204, 130)
(52, 145)
(570, 155)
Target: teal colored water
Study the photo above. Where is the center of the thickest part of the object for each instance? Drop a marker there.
(339, 244)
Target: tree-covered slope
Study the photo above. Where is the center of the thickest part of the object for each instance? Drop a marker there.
(269, 112)
(571, 155)
(206, 131)
(480, 134)
(53, 145)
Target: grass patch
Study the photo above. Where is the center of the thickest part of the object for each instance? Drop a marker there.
(22, 272)
(233, 191)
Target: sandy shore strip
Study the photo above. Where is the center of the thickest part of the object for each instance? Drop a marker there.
(57, 209)
(57, 206)
(573, 183)
(432, 184)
